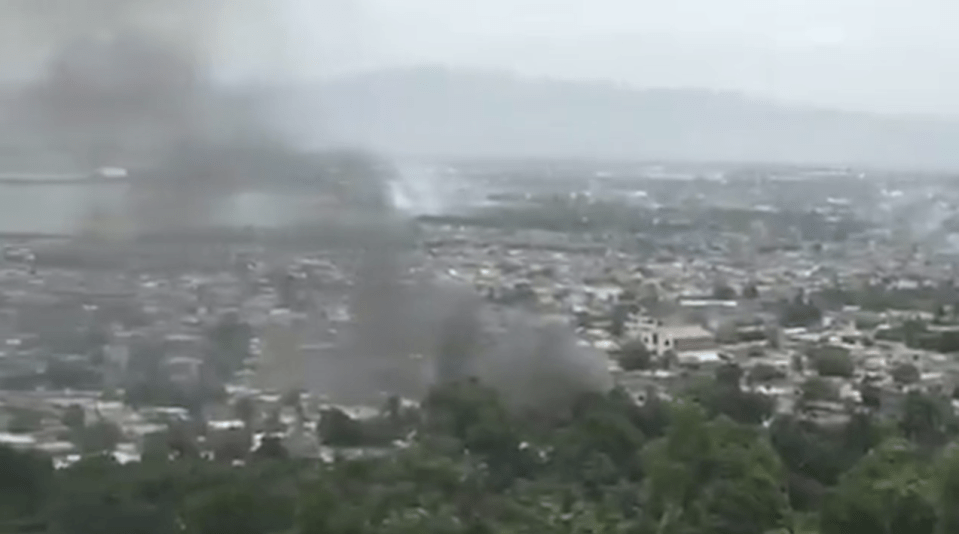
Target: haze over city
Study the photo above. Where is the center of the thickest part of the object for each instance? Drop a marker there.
(387, 267)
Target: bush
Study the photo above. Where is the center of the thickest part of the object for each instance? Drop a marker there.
(905, 373)
(635, 356)
(819, 389)
(832, 361)
(765, 372)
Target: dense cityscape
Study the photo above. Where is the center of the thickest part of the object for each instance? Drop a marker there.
(247, 304)
(574, 347)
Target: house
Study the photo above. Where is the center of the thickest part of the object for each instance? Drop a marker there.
(687, 338)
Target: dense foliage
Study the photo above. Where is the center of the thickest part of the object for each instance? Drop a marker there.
(716, 462)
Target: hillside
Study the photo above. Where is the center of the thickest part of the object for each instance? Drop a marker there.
(462, 113)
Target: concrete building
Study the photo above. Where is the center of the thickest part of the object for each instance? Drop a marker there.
(688, 338)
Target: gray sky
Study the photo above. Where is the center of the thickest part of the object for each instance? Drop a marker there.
(878, 55)
(882, 55)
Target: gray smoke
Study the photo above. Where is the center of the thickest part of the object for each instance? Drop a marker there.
(131, 83)
(454, 334)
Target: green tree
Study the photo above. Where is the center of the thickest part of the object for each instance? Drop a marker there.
(243, 507)
(601, 443)
(927, 420)
(271, 448)
(832, 361)
(232, 445)
(946, 492)
(724, 396)
(244, 409)
(74, 418)
(724, 292)
(618, 318)
(26, 484)
(764, 372)
(905, 373)
(100, 436)
(98, 495)
(338, 429)
(714, 477)
(818, 389)
(635, 356)
(887, 492)
(24, 421)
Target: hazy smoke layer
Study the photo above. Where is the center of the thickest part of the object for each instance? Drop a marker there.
(130, 82)
(538, 365)
(419, 334)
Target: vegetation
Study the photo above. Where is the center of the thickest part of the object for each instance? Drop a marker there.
(832, 361)
(634, 356)
(717, 461)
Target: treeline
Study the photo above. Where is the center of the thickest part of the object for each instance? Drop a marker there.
(564, 214)
(712, 462)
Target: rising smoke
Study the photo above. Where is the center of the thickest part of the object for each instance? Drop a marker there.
(133, 83)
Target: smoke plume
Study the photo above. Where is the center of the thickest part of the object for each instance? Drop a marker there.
(131, 83)
(134, 83)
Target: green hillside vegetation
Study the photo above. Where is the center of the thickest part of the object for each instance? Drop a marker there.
(609, 465)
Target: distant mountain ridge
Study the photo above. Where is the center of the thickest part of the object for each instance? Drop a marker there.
(433, 111)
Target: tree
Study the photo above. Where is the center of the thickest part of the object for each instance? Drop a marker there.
(26, 483)
(273, 422)
(946, 490)
(887, 492)
(294, 399)
(70, 374)
(24, 421)
(871, 396)
(905, 373)
(243, 507)
(729, 375)
(338, 429)
(817, 389)
(601, 443)
(232, 445)
(229, 344)
(635, 356)
(182, 440)
(832, 361)
(98, 495)
(799, 313)
(244, 409)
(773, 336)
(271, 448)
(473, 415)
(618, 318)
(74, 418)
(724, 292)
(714, 477)
(927, 420)
(724, 396)
(764, 372)
(797, 364)
(100, 436)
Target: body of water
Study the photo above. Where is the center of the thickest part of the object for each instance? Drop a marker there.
(68, 209)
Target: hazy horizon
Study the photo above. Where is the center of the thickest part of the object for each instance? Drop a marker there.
(777, 82)
(880, 56)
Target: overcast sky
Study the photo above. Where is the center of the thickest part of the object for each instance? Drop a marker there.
(880, 55)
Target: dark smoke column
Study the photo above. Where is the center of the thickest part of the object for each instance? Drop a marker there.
(117, 97)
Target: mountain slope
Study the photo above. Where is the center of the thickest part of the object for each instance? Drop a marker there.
(435, 111)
